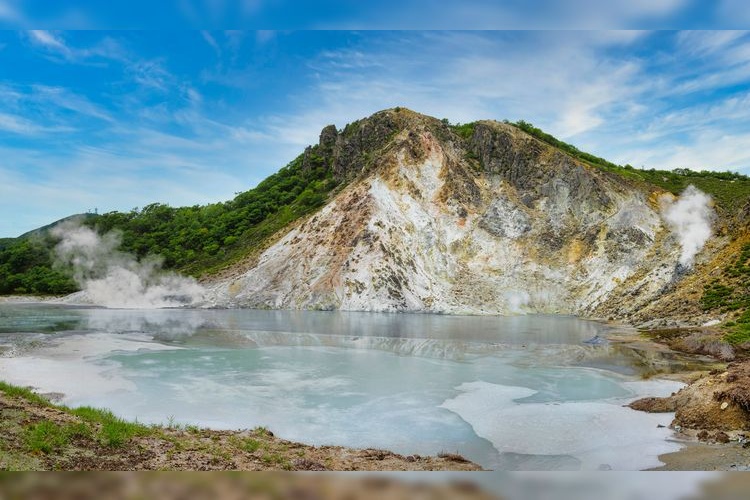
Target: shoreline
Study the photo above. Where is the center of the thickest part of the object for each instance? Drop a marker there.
(40, 435)
(711, 421)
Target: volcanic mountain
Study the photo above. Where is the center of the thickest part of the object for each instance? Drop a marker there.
(476, 219)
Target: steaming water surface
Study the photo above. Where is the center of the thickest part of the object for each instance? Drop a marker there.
(510, 393)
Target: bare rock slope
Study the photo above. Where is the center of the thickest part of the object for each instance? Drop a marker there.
(490, 222)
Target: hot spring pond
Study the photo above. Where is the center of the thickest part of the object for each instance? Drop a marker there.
(516, 393)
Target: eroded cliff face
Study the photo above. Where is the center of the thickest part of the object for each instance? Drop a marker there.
(496, 223)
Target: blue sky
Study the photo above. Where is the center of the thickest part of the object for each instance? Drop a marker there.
(383, 14)
(116, 120)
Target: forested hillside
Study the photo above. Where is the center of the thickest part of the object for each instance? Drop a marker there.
(193, 240)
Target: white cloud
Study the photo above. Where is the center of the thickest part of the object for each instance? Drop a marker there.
(65, 99)
(707, 42)
(49, 40)
(560, 81)
(17, 124)
(709, 149)
(150, 74)
(23, 126)
(41, 109)
(211, 41)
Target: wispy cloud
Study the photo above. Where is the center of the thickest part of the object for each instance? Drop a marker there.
(570, 90)
(36, 109)
(49, 40)
(65, 99)
(54, 45)
(150, 74)
(211, 41)
(588, 88)
(23, 126)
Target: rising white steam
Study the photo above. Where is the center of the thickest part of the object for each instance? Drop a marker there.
(689, 217)
(517, 301)
(112, 278)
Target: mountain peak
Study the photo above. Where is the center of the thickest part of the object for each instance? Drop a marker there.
(475, 218)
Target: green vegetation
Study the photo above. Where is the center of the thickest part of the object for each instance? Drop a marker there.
(103, 425)
(564, 146)
(23, 392)
(731, 293)
(465, 130)
(277, 459)
(113, 431)
(193, 240)
(26, 268)
(198, 239)
(46, 436)
(250, 445)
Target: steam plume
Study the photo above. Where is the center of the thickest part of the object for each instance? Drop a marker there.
(112, 278)
(689, 217)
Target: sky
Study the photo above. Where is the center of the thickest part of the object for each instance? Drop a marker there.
(113, 120)
(383, 14)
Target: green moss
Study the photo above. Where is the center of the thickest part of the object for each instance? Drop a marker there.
(716, 295)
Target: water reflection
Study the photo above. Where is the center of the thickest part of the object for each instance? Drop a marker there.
(487, 387)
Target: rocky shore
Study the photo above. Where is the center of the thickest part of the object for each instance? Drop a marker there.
(712, 412)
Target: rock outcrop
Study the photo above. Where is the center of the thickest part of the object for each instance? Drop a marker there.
(494, 223)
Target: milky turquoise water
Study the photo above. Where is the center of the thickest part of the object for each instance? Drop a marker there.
(510, 393)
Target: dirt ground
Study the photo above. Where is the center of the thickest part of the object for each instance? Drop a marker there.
(173, 448)
(707, 457)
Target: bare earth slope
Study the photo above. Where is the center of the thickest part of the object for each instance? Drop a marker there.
(493, 223)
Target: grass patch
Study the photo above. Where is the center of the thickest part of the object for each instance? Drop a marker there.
(46, 436)
(262, 431)
(113, 430)
(729, 294)
(738, 334)
(276, 459)
(250, 445)
(25, 393)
